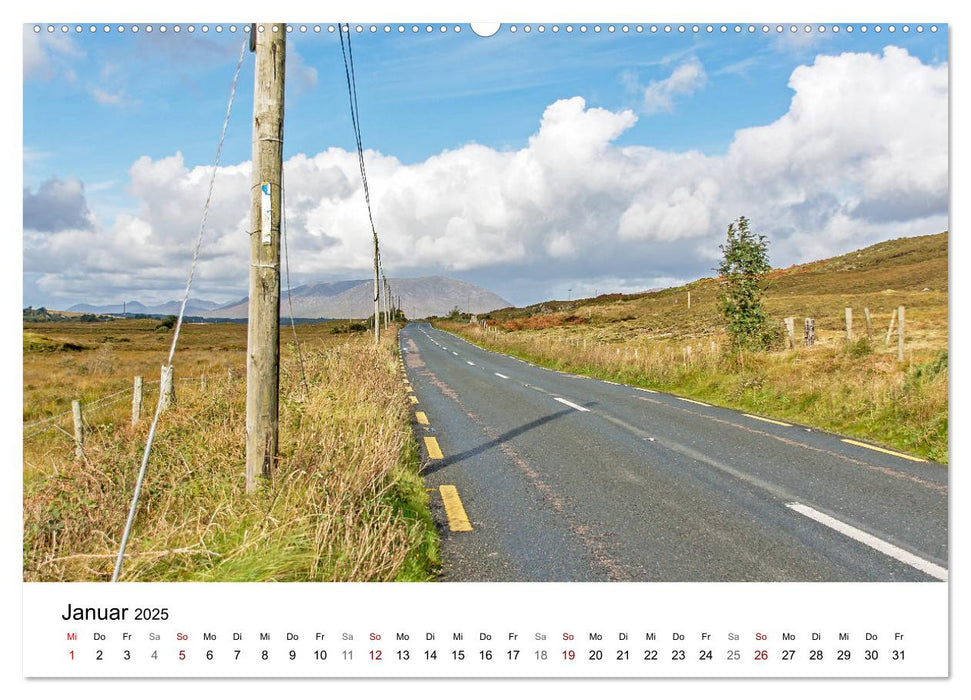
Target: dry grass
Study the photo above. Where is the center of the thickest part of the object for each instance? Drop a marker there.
(345, 503)
(857, 388)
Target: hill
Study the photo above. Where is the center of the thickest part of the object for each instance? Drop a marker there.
(420, 297)
(910, 271)
(858, 387)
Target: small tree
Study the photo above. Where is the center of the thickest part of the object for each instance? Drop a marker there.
(745, 262)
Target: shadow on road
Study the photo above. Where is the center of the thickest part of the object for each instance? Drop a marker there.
(505, 437)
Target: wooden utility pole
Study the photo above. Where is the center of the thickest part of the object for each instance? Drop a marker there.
(377, 294)
(263, 327)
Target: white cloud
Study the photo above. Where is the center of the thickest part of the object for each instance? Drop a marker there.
(46, 54)
(107, 98)
(686, 79)
(860, 156)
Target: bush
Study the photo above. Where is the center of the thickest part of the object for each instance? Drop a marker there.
(745, 263)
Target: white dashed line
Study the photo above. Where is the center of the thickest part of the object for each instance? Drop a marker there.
(869, 540)
(572, 405)
(501, 376)
(470, 363)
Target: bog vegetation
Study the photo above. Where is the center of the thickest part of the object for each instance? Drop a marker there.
(853, 386)
(346, 501)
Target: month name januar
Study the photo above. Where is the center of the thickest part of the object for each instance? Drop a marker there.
(76, 613)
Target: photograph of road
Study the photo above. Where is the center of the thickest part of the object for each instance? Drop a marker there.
(512, 302)
(571, 478)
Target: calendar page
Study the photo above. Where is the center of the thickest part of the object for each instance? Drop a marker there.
(398, 346)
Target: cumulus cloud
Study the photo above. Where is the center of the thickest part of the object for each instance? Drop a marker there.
(686, 79)
(860, 156)
(57, 205)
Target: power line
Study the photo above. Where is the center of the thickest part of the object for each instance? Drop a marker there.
(348, 56)
(286, 258)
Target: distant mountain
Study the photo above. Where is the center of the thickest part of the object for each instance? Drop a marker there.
(420, 297)
(194, 307)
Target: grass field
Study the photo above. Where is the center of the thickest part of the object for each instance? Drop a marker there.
(346, 500)
(853, 387)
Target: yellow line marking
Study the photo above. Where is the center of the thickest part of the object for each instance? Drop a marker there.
(880, 449)
(413, 399)
(458, 521)
(768, 420)
(681, 398)
(421, 417)
(649, 391)
(434, 451)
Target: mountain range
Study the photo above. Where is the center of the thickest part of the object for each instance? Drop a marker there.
(420, 297)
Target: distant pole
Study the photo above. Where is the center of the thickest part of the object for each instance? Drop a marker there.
(790, 330)
(849, 323)
(263, 333)
(893, 317)
(869, 323)
(809, 336)
(377, 294)
(136, 401)
(78, 429)
(689, 299)
(900, 334)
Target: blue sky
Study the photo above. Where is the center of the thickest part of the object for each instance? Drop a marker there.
(96, 103)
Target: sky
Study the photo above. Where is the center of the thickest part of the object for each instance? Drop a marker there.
(537, 164)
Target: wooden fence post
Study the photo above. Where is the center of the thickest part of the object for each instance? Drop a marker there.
(849, 324)
(809, 338)
(136, 401)
(900, 334)
(790, 330)
(689, 300)
(202, 383)
(893, 317)
(78, 429)
(168, 387)
(869, 323)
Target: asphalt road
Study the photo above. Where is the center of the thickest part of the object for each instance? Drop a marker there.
(566, 478)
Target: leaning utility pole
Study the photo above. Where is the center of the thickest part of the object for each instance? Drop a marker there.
(377, 318)
(387, 304)
(263, 327)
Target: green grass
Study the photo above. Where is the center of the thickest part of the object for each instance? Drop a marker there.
(346, 501)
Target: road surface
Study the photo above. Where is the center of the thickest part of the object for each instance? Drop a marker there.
(537, 475)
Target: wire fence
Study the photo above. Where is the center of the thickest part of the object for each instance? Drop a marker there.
(43, 425)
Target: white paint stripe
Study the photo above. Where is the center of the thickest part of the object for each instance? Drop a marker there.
(470, 363)
(455, 353)
(700, 403)
(501, 376)
(572, 405)
(869, 540)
